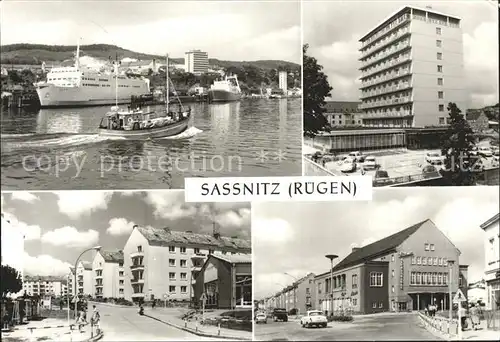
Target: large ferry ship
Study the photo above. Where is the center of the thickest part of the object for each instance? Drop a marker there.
(225, 91)
(84, 86)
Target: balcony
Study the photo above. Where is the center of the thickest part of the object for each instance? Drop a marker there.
(136, 255)
(382, 56)
(98, 277)
(392, 26)
(97, 286)
(388, 115)
(387, 41)
(386, 78)
(386, 90)
(387, 65)
(199, 256)
(135, 281)
(98, 268)
(390, 102)
(136, 267)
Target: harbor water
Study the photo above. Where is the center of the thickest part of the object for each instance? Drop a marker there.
(60, 149)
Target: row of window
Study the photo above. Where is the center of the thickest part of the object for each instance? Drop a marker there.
(171, 276)
(430, 261)
(171, 262)
(173, 289)
(183, 250)
(428, 278)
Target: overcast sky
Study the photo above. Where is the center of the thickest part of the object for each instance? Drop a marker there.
(229, 30)
(333, 29)
(59, 226)
(295, 237)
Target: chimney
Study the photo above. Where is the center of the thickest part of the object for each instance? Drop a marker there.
(354, 249)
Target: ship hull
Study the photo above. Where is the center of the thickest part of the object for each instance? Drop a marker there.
(151, 133)
(222, 96)
(51, 96)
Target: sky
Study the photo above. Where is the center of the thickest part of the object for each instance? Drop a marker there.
(59, 226)
(296, 236)
(228, 30)
(334, 41)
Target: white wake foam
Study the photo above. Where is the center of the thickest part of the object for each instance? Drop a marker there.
(188, 133)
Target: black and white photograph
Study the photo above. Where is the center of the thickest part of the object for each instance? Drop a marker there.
(124, 266)
(406, 92)
(322, 273)
(141, 94)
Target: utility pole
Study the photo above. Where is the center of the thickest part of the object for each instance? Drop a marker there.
(331, 257)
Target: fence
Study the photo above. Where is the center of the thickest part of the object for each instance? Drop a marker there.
(440, 325)
(492, 318)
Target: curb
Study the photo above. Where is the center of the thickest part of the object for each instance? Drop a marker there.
(199, 333)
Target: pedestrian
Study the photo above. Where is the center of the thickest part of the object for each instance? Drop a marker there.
(61, 304)
(154, 304)
(463, 317)
(96, 318)
(475, 316)
(80, 320)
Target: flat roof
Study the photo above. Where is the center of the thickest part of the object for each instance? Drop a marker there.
(401, 10)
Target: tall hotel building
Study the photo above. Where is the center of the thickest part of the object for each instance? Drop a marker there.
(411, 68)
(196, 62)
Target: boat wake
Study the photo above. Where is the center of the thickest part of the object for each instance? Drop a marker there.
(18, 141)
(188, 133)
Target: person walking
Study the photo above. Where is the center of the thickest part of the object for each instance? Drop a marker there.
(463, 317)
(475, 316)
(154, 304)
(96, 319)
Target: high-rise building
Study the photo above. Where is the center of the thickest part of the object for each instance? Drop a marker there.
(196, 62)
(158, 261)
(83, 283)
(411, 68)
(108, 274)
(283, 81)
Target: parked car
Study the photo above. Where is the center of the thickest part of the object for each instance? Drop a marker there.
(370, 163)
(314, 318)
(280, 315)
(474, 151)
(434, 158)
(430, 171)
(348, 165)
(485, 151)
(381, 178)
(355, 155)
(261, 317)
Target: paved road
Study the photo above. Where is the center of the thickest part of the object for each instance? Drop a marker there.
(400, 326)
(125, 324)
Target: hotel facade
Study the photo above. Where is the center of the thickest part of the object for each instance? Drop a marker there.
(196, 62)
(160, 263)
(108, 274)
(491, 230)
(406, 271)
(411, 68)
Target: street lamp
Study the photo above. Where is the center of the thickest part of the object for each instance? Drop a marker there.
(450, 282)
(97, 249)
(331, 257)
(294, 291)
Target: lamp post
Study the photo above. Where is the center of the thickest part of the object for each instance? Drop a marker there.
(97, 249)
(67, 296)
(450, 282)
(294, 291)
(331, 257)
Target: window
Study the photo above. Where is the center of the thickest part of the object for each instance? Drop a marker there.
(441, 108)
(413, 278)
(392, 289)
(460, 281)
(440, 262)
(376, 279)
(171, 275)
(424, 261)
(374, 305)
(183, 276)
(413, 260)
(445, 279)
(120, 273)
(354, 301)
(440, 96)
(139, 249)
(121, 290)
(210, 251)
(171, 262)
(392, 273)
(183, 250)
(171, 289)
(418, 260)
(171, 249)
(429, 261)
(429, 279)
(196, 250)
(440, 279)
(441, 121)
(439, 43)
(426, 246)
(183, 289)
(320, 286)
(435, 261)
(439, 55)
(122, 282)
(380, 305)
(434, 278)
(392, 257)
(183, 263)
(440, 81)
(438, 30)
(120, 264)
(354, 281)
(424, 278)
(445, 262)
(440, 68)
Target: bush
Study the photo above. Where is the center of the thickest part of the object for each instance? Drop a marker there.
(293, 312)
(341, 318)
(238, 314)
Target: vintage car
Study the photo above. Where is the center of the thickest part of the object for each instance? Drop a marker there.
(314, 318)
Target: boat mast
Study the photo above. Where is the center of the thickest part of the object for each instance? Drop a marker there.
(116, 80)
(167, 86)
(77, 57)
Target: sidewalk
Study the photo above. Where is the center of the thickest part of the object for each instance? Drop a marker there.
(171, 316)
(483, 334)
(49, 329)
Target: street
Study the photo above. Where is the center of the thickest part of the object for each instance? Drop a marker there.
(125, 324)
(385, 326)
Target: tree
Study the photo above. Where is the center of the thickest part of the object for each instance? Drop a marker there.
(316, 89)
(11, 280)
(460, 166)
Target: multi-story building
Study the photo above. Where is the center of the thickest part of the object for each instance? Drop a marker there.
(283, 81)
(158, 261)
(492, 261)
(83, 284)
(411, 68)
(343, 113)
(44, 286)
(196, 62)
(405, 271)
(12, 243)
(300, 295)
(226, 281)
(108, 274)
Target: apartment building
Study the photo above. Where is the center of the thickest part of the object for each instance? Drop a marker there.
(226, 282)
(160, 263)
(196, 62)
(108, 274)
(83, 285)
(44, 286)
(405, 271)
(491, 230)
(343, 113)
(411, 68)
(301, 295)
